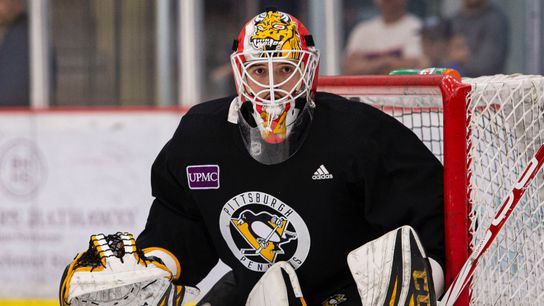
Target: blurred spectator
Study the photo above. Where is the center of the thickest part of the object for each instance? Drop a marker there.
(386, 42)
(457, 49)
(483, 47)
(14, 54)
(440, 45)
(435, 37)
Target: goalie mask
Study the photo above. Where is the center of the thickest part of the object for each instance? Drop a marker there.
(275, 68)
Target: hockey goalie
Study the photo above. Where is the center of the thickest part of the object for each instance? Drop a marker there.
(309, 198)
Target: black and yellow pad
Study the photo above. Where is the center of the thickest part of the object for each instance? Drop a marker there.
(393, 270)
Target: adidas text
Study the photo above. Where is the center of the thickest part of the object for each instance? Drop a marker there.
(321, 176)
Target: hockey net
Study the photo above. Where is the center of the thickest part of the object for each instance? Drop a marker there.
(485, 130)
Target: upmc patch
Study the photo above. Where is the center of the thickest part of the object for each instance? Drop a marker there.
(203, 177)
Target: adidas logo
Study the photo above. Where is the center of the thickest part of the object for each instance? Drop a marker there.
(321, 174)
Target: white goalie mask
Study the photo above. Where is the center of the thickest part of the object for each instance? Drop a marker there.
(275, 68)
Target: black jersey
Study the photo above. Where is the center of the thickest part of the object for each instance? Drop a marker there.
(359, 174)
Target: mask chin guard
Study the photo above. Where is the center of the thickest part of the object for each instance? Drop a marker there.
(274, 153)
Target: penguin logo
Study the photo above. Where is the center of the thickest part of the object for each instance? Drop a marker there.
(264, 232)
(261, 230)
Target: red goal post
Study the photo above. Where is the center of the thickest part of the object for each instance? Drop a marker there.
(483, 130)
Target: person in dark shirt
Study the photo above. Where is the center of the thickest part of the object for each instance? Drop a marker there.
(14, 54)
(481, 32)
(440, 45)
(283, 175)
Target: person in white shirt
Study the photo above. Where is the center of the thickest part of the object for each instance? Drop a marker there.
(386, 42)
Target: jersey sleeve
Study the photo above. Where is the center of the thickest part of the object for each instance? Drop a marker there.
(174, 222)
(404, 186)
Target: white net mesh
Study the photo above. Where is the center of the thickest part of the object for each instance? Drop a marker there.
(506, 126)
(505, 121)
(420, 110)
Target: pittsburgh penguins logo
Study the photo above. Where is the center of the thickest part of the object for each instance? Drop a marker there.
(261, 230)
(265, 233)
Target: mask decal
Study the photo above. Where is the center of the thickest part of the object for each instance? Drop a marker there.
(276, 31)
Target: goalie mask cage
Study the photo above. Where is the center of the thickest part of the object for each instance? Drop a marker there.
(484, 130)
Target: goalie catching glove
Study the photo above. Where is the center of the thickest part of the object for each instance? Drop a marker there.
(113, 271)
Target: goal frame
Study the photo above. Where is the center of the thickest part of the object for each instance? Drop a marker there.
(456, 190)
